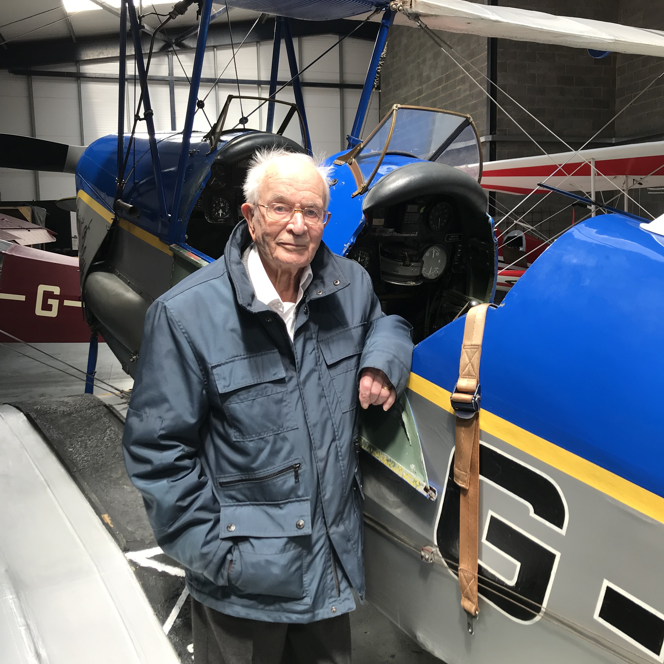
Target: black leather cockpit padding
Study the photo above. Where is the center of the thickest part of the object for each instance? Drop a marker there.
(242, 147)
(426, 178)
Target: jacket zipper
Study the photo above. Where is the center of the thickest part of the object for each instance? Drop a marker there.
(294, 468)
(334, 564)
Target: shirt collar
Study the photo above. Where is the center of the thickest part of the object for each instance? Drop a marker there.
(263, 287)
(328, 275)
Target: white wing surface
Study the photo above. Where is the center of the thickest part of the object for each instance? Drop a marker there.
(527, 25)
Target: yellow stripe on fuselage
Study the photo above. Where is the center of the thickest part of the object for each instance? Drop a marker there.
(620, 489)
(124, 224)
(95, 205)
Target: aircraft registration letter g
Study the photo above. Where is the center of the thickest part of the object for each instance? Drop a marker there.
(53, 304)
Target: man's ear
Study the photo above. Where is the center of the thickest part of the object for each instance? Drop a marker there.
(248, 214)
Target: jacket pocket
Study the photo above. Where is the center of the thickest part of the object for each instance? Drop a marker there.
(269, 553)
(254, 395)
(342, 352)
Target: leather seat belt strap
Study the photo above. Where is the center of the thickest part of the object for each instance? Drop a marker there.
(466, 403)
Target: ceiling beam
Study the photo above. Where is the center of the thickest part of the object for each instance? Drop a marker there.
(194, 28)
(71, 29)
(25, 54)
(49, 73)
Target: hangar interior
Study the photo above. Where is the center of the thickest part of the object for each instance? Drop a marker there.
(59, 82)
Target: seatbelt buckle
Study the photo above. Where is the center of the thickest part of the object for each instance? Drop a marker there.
(463, 407)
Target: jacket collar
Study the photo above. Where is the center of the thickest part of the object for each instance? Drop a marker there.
(328, 276)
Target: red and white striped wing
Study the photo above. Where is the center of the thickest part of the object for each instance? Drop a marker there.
(636, 165)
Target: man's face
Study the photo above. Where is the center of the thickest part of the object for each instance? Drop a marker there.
(290, 245)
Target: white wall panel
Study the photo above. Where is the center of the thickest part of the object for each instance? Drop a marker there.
(100, 109)
(266, 60)
(14, 104)
(15, 119)
(158, 64)
(326, 70)
(112, 67)
(324, 122)
(160, 99)
(356, 58)
(57, 114)
(186, 63)
(246, 60)
(56, 185)
(17, 185)
(56, 109)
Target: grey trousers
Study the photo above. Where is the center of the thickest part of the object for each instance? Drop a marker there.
(223, 639)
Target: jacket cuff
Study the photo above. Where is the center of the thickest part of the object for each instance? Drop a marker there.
(397, 372)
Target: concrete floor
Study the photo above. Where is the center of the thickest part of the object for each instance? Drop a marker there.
(90, 449)
(26, 378)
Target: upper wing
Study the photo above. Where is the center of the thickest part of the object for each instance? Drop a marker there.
(527, 25)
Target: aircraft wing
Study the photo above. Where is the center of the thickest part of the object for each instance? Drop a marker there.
(616, 168)
(23, 232)
(527, 25)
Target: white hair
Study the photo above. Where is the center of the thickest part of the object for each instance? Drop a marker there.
(263, 160)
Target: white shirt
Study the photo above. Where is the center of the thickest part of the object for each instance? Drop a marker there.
(267, 293)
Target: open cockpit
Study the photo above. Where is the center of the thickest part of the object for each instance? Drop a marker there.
(424, 237)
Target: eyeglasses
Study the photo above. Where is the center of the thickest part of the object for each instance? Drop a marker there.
(282, 213)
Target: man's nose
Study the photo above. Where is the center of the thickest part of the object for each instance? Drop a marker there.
(297, 222)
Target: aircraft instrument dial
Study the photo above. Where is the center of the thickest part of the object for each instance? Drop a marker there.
(439, 216)
(434, 262)
(221, 210)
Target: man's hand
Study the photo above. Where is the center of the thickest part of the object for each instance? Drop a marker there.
(376, 389)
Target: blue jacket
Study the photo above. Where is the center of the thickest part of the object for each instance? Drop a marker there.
(241, 441)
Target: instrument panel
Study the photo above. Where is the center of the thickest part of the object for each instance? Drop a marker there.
(417, 255)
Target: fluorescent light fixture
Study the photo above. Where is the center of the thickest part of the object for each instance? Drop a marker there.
(74, 6)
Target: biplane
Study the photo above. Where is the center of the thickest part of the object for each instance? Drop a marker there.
(571, 512)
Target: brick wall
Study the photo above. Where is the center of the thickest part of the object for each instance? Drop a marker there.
(570, 92)
(417, 72)
(634, 72)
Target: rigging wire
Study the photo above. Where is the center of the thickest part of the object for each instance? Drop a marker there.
(184, 71)
(562, 232)
(26, 18)
(443, 45)
(232, 57)
(237, 78)
(311, 64)
(555, 237)
(137, 108)
(116, 390)
(532, 229)
(513, 597)
(525, 110)
(29, 32)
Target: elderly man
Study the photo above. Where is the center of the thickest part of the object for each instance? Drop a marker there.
(240, 431)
